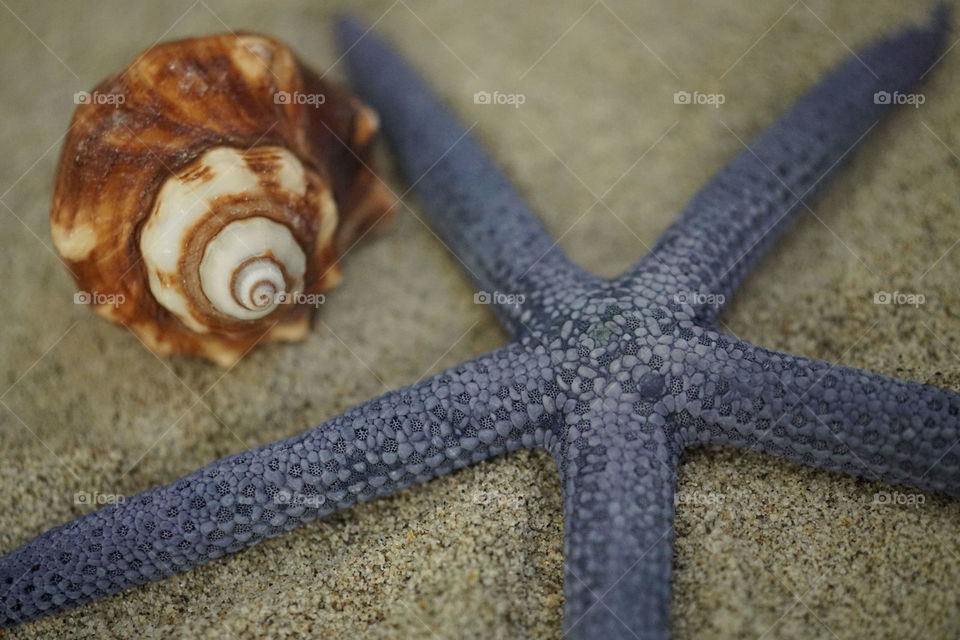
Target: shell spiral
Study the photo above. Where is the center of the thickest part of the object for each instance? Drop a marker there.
(207, 191)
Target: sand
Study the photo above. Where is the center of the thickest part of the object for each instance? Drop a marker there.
(765, 548)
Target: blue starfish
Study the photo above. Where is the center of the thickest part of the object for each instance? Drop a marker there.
(615, 378)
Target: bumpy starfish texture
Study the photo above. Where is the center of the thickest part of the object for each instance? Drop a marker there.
(615, 378)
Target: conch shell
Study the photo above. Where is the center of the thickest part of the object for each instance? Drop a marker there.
(206, 193)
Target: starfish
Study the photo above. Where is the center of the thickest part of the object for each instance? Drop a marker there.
(614, 378)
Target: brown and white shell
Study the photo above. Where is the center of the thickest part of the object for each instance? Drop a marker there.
(206, 192)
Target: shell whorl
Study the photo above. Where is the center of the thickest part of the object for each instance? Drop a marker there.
(250, 267)
(219, 244)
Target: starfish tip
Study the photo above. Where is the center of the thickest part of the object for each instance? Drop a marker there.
(349, 29)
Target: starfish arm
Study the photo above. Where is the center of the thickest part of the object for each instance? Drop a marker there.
(729, 224)
(404, 437)
(829, 416)
(473, 206)
(618, 501)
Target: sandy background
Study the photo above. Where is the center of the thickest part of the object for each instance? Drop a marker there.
(765, 548)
